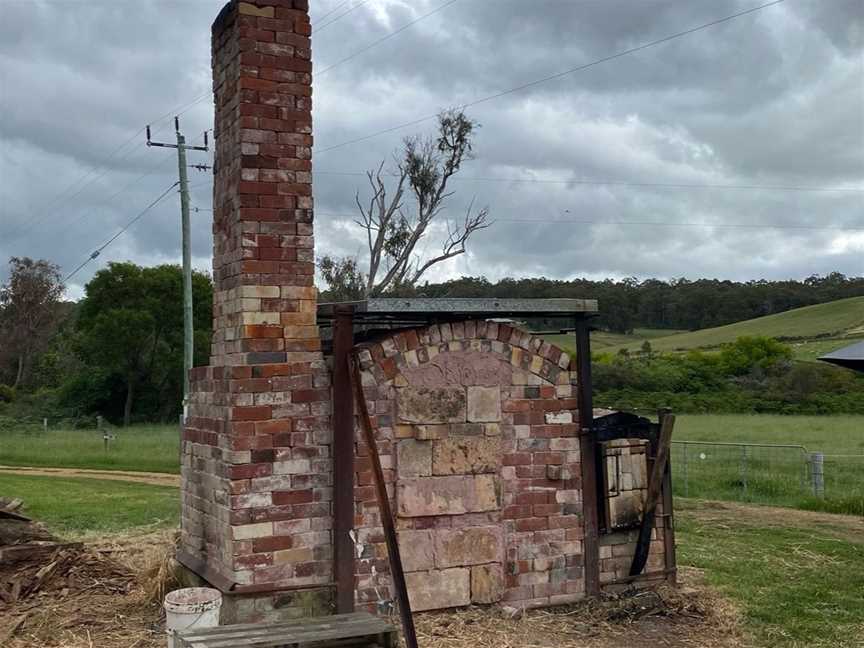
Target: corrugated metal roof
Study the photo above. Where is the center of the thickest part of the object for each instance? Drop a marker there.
(851, 357)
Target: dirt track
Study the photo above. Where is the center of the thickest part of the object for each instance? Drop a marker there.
(154, 479)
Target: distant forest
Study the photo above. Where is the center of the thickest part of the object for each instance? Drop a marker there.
(677, 304)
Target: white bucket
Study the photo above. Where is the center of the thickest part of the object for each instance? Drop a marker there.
(193, 607)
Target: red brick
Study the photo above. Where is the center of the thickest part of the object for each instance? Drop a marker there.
(275, 543)
(283, 498)
(257, 413)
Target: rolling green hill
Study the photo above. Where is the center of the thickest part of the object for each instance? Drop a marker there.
(812, 331)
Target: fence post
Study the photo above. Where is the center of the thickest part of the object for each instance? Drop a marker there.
(743, 468)
(817, 474)
(684, 471)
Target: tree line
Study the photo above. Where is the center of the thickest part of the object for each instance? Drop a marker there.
(683, 304)
(118, 351)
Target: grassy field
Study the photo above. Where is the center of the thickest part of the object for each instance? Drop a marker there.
(150, 448)
(828, 434)
(797, 577)
(771, 475)
(842, 320)
(76, 507)
(603, 340)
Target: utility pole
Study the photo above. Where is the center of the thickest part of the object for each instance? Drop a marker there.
(188, 325)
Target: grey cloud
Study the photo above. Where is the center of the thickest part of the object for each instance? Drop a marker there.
(773, 98)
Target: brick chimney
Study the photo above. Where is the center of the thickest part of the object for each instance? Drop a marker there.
(257, 472)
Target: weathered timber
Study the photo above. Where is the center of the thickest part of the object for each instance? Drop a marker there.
(655, 491)
(30, 551)
(356, 629)
(343, 461)
(588, 450)
(396, 571)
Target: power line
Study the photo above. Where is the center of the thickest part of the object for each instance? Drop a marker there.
(385, 38)
(129, 224)
(332, 11)
(340, 16)
(567, 221)
(81, 188)
(560, 75)
(46, 214)
(622, 183)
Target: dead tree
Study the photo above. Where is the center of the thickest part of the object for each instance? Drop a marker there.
(394, 229)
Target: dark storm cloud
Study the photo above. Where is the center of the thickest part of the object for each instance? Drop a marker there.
(772, 98)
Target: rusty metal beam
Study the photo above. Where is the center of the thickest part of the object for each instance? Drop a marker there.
(396, 570)
(343, 460)
(588, 454)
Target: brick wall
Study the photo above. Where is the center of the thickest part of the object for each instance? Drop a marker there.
(256, 447)
(478, 427)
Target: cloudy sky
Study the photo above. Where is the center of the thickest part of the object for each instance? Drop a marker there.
(734, 152)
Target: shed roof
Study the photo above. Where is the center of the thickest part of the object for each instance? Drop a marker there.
(851, 357)
(421, 309)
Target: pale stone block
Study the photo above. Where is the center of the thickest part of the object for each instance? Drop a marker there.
(251, 10)
(419, 405)
(466, 455)
(438, 590)
(414, 458)
(259, 292)
(300, 332)
(299, 292)
(468, 546)
(487, 584)
(455, 495)
(292, 467)
(416, 550)
(404, 431)
(250, 304)
(559, 418)
(259, 319)
(484, 404)
(303, 554)
(251, 531)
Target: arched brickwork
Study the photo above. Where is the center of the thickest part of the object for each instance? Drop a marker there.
(478, 431)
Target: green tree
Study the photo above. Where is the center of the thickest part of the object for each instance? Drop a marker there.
(749, 353)
(130, 327)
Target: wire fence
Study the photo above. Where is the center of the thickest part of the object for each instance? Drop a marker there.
(785, 475)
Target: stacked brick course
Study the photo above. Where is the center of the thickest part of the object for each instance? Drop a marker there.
(256, 461)
(478, 428)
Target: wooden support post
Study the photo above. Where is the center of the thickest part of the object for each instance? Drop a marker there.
(655, 491)
(343, 460)
(670, 555)
(396, 570)
(588, 454)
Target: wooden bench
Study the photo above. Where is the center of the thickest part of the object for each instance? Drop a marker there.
(340, 630)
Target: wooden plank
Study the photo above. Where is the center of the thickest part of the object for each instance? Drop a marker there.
(357, 627)
(14, 553)
(299, 625)
(588, 451)
(655, 488)
(343, 460)
(386, 514)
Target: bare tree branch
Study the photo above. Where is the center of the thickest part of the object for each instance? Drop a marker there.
(394, 230)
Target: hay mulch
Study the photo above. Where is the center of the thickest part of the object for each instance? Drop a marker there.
(57, 594)
(683, 618)
(108, 594)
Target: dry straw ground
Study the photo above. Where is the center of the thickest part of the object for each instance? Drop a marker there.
(114, 604)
